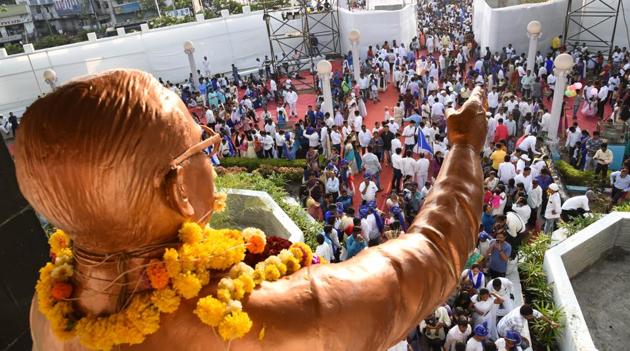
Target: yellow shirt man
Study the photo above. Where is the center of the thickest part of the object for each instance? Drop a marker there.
(497, 157)
(555, 43)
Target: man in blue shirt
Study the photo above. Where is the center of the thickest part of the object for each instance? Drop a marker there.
(620, 181)
(355, 242)
(499, 253)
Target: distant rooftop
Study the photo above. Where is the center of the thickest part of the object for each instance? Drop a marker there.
(13, 10)
(507, 3)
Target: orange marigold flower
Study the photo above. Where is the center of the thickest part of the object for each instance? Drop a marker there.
(61, 291)
(158, 275)
(256, 244)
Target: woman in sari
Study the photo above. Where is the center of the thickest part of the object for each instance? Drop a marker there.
(350, 156)
(251, 152)
(312, 160)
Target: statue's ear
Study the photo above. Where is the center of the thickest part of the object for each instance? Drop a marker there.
(177, 192)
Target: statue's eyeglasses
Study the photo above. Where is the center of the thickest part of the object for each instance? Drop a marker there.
(212, 138)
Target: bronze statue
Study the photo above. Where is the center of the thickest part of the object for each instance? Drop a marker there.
(93, 157)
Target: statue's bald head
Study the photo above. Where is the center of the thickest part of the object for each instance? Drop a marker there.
(93, 156)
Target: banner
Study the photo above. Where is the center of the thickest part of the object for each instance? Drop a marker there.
(179, 13)
(68, 7)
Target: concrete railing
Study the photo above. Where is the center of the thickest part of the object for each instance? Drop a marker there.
(573, 256)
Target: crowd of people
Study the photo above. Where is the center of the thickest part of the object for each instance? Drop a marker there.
(366, 182)
(349, 162)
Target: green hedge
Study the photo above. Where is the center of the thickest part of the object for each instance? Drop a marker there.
(254, 163)
(572, 176)
(274, 186)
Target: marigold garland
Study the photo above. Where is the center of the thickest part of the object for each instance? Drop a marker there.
(181, 273)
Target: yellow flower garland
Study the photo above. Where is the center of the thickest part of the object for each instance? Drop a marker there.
(188, 268)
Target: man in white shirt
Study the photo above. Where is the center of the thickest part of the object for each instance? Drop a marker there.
(397, 165)
(357, 121)
(458, 333)
(573, 136)
(493, 100)
(323, 249)
(408, 165)
(267, 142)
(313, 140)
(529, 144)
(335, 139)
(515, 320)
(368, 189)
(273, 88)
(292, 99)
(506, 170)
(206, 66)
(210, 117)
(603, 157)
(365, 136)
(393, 126)
(280, 141)
(576, 206)
(524, 178)
(602, 97)
(409, 133)
(620, 181)
(534, 201)
(505, 289)
(553, 209)
(421, 168)
(511, 104)
(338, 118)
(437, 110)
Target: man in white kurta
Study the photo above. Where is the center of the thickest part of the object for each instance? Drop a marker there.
(486, 305)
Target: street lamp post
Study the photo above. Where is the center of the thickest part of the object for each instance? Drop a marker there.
(562, 65)
(324, 72)
(50, 77)
(354, 37)
(189, 49)
(533, 32)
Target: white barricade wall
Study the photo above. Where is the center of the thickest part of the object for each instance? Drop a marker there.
(237, 39)
(378, 26)
(497, 27)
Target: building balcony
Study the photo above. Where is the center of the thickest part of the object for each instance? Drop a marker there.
(10, 38)
(42, 16)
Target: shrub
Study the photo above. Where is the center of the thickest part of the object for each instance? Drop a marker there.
(273, 185)
(255, 163)
(538, 291)
(624, 207)
(578, 224)
(293, 174)
(13, 49)
(574, 176)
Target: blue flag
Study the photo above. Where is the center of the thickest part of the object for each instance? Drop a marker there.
(422, 142)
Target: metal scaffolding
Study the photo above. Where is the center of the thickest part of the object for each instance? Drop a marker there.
(298, 37)
(589, 23)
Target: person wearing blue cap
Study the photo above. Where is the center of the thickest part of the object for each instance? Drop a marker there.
(476, 342)
(511, 342)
